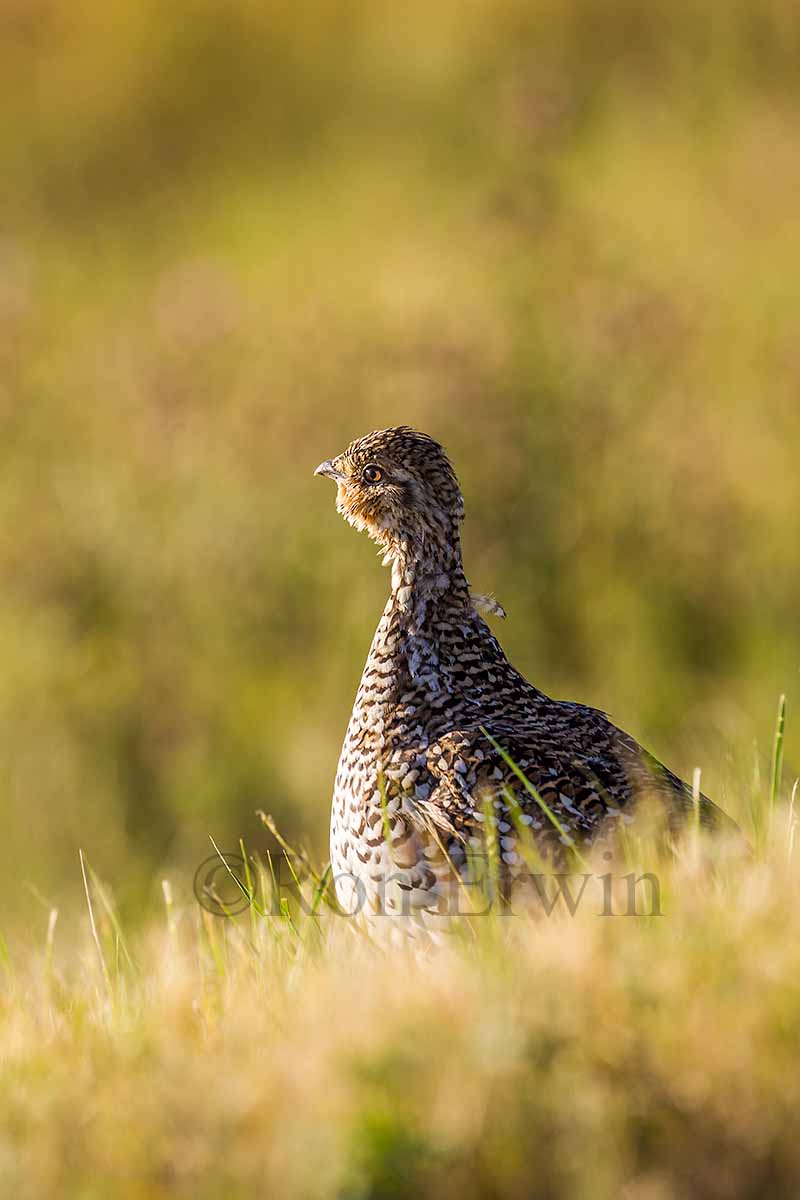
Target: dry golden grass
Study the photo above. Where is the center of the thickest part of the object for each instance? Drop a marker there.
(644, 1056)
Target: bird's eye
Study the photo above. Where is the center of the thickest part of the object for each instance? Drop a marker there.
(372, 474)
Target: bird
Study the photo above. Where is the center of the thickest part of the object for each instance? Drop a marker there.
(449, 748)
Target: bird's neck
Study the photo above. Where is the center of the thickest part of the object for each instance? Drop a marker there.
(429, 599)
(428, 574)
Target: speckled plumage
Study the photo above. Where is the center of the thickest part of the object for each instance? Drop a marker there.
(418, 775)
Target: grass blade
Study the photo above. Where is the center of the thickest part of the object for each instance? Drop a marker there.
(95, 934)
(251, 900)
(532, 791)
(776, 771)
(112, 916)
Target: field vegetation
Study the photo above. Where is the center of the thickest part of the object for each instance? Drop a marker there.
(562, 238)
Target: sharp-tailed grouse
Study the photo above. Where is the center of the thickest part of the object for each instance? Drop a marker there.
(441, 715)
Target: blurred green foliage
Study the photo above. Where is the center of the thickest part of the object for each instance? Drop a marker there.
(563, 238)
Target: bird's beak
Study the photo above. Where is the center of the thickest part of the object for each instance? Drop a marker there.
(327, 468)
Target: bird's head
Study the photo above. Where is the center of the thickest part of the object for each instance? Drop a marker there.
(398, 486)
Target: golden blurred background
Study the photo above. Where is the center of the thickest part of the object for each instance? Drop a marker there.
(564, 238)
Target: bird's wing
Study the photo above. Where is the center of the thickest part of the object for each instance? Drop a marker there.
(573, 780)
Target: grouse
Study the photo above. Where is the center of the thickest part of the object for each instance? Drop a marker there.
(449, 746)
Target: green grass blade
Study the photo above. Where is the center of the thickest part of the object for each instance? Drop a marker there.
(533, 792)
(319, 893)
(251, 900)
(776, 771)
(491, 845)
